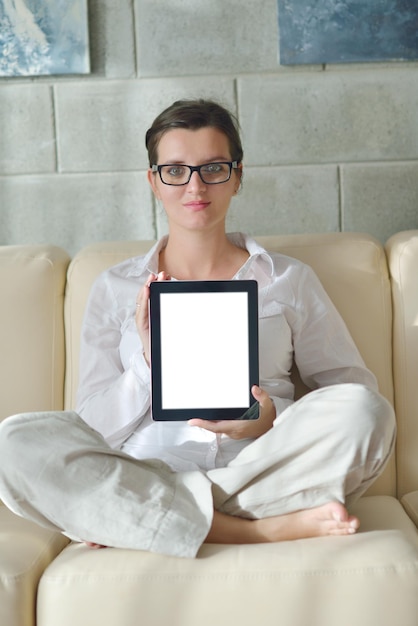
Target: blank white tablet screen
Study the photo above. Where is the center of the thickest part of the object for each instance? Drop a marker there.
(204, 350)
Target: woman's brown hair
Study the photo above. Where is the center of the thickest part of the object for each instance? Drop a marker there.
(192, 115)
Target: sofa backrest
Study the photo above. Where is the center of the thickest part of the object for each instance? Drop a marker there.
(351, 267)
(84, 269)
(32, 280)
(402, 252)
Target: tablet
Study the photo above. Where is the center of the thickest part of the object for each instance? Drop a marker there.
(204, 349)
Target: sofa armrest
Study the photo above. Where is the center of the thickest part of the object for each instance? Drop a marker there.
(32, 281)
(410, 504)
(402, 252)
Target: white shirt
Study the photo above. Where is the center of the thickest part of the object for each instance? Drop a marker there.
(296, 320)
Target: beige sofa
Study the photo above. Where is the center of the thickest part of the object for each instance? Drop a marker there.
(370, 579)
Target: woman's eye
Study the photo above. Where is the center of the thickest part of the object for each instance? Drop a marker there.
(213, 168)
(175, 170)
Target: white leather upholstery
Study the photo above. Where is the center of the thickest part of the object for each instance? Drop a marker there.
(32, 283)
(32, 280)
(402, 251)
(370, 579)
(26, 550)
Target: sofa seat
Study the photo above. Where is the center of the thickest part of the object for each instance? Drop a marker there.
(26, 549)
(373, 575)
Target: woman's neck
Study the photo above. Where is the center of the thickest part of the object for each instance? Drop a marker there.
(201, 256)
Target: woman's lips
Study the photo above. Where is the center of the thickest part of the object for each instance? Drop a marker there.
(196, 205)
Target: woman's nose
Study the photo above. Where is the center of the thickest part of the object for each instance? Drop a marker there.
(195, 181)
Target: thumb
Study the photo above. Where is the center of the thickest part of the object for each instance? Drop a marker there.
(261, 396)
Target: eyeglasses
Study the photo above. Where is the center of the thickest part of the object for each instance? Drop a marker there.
(210, 173)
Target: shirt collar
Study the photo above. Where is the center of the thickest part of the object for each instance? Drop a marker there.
(149, 262)
(258, 254)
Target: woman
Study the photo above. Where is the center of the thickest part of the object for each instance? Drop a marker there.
(126, 481)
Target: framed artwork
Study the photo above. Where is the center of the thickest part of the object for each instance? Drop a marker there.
(344, 31)
(39, 37)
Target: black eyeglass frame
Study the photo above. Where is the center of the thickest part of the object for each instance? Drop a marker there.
(233, 165)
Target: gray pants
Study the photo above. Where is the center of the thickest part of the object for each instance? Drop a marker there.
(57, 471)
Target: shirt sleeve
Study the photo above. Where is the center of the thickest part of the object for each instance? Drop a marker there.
(325, 352)
(111, 398)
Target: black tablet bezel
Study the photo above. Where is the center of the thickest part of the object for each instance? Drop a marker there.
(251, 411)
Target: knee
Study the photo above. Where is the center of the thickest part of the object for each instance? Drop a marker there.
(12, 437)
(355, 410)
(8, 428)
(383, 417)
(26, 440)
(371, 415)
(22, 435)
(10, 451)
(372, 405)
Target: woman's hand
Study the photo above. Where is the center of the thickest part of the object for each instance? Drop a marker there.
(142, 316)
(243, 429)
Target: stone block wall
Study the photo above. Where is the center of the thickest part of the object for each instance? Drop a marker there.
(327, 148)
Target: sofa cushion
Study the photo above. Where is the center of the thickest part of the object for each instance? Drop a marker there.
(26, 549)
(364, 579)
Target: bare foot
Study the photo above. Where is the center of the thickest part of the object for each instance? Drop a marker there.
(329, 519)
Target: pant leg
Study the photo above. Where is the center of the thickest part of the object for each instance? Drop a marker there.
(329, 446)
(58, 472)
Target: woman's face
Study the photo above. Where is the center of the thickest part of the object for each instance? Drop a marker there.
(196, 205)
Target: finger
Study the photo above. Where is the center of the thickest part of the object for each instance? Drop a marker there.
(213, 426)
(163, 276)
(236, 429)
(151, 278)
(261, 396)
(141, 312)
(143, 297)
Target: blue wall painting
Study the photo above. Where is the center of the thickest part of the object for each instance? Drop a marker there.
(344, 31)
(43, 37)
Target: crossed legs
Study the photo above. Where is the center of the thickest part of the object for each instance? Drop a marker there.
(292, 482)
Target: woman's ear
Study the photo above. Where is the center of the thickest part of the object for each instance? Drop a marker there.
(239, 174)
(152, 181)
